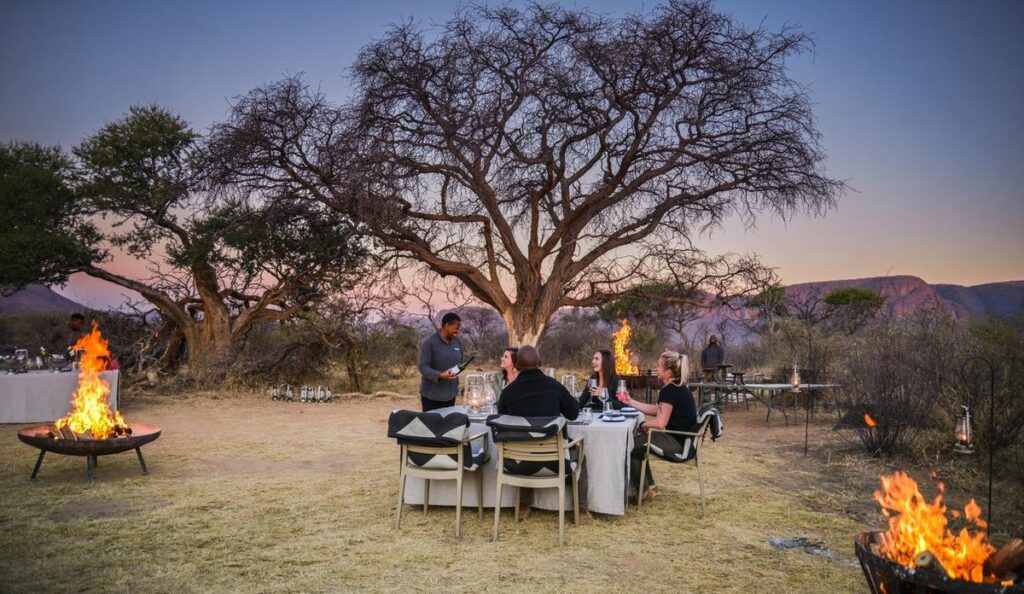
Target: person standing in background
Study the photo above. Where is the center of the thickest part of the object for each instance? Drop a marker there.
(713, 355)
(64, 337)
(438, 354)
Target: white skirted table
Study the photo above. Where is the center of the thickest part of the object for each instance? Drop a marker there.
(42, 396)
(607, 447)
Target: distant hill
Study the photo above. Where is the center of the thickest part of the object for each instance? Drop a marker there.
(38, 299)
(904, 295)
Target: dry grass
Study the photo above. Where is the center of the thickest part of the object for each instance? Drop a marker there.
(246, 494)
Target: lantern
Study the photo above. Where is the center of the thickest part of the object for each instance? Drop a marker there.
(964, 433)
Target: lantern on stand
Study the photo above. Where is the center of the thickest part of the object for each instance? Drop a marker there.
(964, 433)
(794, 379)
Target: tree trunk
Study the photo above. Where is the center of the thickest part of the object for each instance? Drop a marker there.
(524, 326)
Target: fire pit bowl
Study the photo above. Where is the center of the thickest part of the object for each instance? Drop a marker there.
(37, 437)
(888, 577)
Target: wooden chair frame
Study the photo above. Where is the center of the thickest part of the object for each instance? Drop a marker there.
(549, 449)
(428, 474)
(698, 441)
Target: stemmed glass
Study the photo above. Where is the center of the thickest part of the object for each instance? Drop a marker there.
(603, 395)
(489, 397)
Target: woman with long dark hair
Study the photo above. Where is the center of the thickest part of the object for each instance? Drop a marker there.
(509, 371)
(604, 376)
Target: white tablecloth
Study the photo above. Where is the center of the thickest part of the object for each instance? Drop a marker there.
(607, 447)
(43, 396)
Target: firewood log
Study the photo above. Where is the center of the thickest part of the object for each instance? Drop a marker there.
(927, 560)
(1007, 558)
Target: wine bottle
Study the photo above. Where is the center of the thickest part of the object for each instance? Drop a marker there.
(457, 369)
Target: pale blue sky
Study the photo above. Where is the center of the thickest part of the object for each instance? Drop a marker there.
(918, 103)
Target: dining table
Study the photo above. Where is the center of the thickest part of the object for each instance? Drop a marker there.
(774, 396)
(41, 396)
(606, 444)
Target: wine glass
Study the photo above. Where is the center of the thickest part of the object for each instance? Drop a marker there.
(569, 381)
(489, 397)
(603, 396)
(622, 393)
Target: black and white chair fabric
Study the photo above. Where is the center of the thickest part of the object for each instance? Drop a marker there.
(437, 446)
(533, 453)
(682, 446)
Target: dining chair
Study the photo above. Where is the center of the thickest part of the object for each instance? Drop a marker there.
(708, 420)
(437, 446)
(533, 453)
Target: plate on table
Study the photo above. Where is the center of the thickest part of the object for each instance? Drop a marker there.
(613, 418)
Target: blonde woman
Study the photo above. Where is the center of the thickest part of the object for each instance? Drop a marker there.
(675, 410)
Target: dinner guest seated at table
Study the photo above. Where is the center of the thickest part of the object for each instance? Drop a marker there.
(509, 371)
(675, 411)
(603, 377)
(534, 394)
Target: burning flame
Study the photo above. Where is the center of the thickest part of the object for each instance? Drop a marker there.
(917, 525)
(90, 413)
(620, 348)
(869, 421)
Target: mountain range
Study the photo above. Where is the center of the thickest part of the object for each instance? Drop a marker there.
(903, 296)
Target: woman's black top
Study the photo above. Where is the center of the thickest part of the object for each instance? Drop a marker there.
(684, 409)
(586, 399)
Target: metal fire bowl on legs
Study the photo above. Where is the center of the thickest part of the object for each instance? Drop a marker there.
(36, 437)
(90, 448)
(889, 577)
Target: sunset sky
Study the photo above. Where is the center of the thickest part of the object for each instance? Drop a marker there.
(919, 104)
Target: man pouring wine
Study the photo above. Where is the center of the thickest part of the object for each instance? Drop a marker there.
(441, 361)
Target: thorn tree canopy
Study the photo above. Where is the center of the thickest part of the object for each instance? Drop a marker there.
(547, 156)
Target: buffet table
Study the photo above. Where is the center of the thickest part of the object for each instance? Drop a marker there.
(43, 396)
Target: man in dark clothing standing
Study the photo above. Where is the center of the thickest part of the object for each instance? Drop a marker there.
(439, 354)
(65, 337)
(713, 355)
(534, 394)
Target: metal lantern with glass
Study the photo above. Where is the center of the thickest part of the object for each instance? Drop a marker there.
(475, 391)
(964, 433)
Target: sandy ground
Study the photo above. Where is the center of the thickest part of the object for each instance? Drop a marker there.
(246, 494)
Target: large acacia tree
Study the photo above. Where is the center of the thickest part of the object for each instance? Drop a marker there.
(549, 157)
(219, 259)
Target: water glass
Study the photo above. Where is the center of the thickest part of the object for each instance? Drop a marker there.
(585, 414)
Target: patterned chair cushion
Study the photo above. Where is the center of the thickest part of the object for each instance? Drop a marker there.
(684, 448)
(435, 429)
(513, 428)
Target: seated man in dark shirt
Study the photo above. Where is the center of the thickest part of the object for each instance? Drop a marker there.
(534, 394)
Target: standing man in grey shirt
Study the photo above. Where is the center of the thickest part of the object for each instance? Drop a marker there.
(439, 353)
